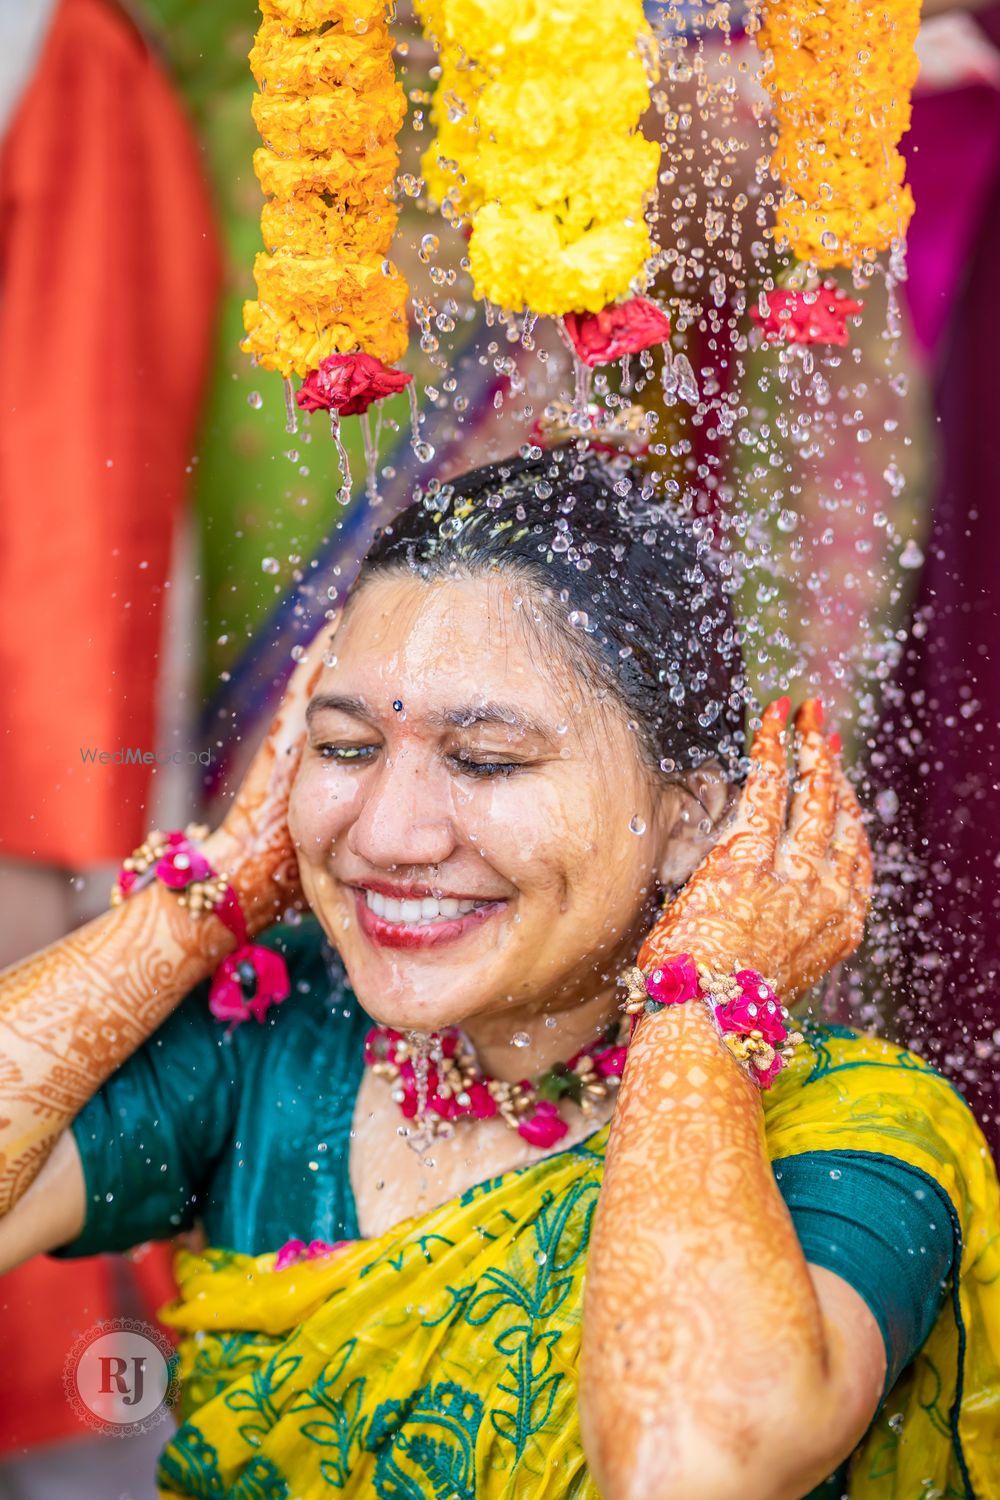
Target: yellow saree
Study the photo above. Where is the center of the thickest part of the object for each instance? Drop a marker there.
(439, 1362)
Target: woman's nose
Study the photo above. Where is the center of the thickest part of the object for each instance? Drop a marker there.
(405, 818)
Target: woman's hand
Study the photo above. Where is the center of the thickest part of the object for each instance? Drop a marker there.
(253, 845)
(785, 890)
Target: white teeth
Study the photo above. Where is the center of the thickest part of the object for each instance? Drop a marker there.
(423, 909)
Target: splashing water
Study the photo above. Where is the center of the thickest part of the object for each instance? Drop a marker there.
(291, 410)
(343, 458)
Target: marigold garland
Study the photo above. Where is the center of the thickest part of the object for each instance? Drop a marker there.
(840, 77)
(328, 111)
(537, 145)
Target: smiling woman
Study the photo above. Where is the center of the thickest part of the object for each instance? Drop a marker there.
(518, 763)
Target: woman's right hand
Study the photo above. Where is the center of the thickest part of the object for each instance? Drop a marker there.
(252, 845)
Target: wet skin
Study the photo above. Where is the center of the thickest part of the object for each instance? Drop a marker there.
(528, 819)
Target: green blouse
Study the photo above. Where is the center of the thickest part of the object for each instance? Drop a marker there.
(249, 1132)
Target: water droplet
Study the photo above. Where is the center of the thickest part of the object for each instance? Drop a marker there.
(270, 565)
(894, 478)
(887, 804)
(256, 400)
(911, 556)
(520, 1039)
(787, 521)
(540, 1257)
(636, 824)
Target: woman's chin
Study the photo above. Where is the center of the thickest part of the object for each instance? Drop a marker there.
(412, 1012)
(410, 994)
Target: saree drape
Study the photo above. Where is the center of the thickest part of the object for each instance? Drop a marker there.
(440, 1360)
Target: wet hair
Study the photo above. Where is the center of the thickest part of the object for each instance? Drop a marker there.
(627, 583)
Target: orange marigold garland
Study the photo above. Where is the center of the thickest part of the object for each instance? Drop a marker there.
(328, 111)
(840, 74)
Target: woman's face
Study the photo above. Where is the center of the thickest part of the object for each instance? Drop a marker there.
(475, 830)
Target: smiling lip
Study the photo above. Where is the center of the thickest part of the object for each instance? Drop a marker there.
(387, 930)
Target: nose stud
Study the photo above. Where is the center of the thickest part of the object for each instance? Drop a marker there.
(397, 704)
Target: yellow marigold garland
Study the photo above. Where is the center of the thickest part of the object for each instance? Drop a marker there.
(537, 114)
(329, 110)
(840, 77)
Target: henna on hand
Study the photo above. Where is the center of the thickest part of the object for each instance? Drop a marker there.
(786, 888)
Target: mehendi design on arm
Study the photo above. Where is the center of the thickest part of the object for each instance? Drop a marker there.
(700, 1310)
(697, 1291)
(72, 1014)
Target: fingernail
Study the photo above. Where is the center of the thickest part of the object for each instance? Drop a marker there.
(834, 743)
(782, 707)
(820, 715)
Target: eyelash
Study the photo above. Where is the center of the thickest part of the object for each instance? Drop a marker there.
(485, 768)
(346, 754)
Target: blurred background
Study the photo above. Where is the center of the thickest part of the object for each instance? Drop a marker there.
(165, 541)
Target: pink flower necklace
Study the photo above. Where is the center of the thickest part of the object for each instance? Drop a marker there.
(436, 1081)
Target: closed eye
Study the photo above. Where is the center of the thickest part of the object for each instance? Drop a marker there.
(471, 767)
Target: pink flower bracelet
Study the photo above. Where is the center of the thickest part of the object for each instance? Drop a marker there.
(750, 1019)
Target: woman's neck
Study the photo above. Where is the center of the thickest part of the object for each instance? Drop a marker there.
(523, 1043)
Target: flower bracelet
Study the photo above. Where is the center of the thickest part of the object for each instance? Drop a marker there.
(249, 980)
(749, 1017)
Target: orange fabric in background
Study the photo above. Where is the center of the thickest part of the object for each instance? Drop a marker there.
(109, 275)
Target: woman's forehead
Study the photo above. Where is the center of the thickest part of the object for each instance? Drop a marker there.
(451, 642)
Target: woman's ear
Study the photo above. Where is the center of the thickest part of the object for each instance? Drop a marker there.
(698, 809)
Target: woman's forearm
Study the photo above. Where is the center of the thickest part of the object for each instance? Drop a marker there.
(702, 1329)
(72, 1014)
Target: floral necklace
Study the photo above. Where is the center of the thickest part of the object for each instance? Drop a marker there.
(436, 1080)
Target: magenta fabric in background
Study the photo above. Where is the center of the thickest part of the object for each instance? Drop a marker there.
(940, 745)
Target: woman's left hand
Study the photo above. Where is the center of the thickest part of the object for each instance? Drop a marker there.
(786, 889)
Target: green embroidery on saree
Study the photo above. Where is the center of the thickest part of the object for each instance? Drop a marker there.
(527, 1348)
(439, 1441)
(260, 1480)
(190, 1466)
(343, 1426)
(264, 1382)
